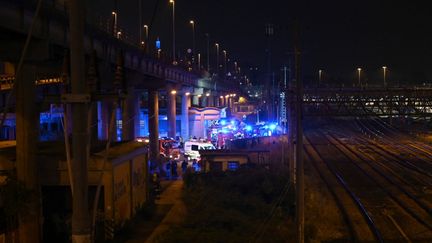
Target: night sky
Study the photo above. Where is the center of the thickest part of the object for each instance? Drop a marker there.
(336, 36)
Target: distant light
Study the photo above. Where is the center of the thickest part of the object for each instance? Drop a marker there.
(223, 122)
(233, 122)
(249, 128)
(221, 97)
(113, 13)
(187, 93)
(199, 96)
(272, 126)
(227, 96)
(173, 92)
(191, 22)
(208, 94)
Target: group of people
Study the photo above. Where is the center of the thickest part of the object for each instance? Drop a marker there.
(171, 169)
(172, 173)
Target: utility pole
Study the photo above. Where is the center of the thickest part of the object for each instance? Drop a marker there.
(299, 145)
(81, 226)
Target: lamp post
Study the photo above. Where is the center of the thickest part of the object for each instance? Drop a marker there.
(114, 14)
(199, 61)
(193, 39)
(217, 58)
(319, 76)
(173, 31)
(359, 75)
(144, 43)
(225, 61)
(384, 75)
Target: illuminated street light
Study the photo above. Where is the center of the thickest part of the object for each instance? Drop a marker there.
(199, 96)
(217, 57)
(146, 30)
(225, 61)
(359, 76)
(173, 92)
(144, 42)
(119, 34)
(115, 22)
(199, 61)
(384, 75)
(319, 76)
(208, 94)
(187, 93)
(173, 31)
(193, 39)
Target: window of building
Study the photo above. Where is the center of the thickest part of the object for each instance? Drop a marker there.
(233, 165)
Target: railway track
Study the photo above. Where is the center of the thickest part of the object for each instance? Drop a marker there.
(360, 226)
(387, 202)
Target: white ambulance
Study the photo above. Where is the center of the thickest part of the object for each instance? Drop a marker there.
(192, 147)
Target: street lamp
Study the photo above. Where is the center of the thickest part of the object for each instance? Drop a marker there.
(217, 58)
(319, 76)
(225, 61)
(199, 61)
(173, 31)
(193, 39)
(384, 75)
(119, 34)
(146, 29)
(114, 14)
(359, 75)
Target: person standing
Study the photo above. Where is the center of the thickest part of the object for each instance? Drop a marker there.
(184, 166)
(174, 169)
(168, 170)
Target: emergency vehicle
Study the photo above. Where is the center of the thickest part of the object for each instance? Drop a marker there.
(192, 147)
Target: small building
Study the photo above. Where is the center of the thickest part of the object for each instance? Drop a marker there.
(231, 160)
(123, 177)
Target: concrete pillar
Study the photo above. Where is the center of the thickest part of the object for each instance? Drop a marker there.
(153, 121)
(94, 122)
(210, 100)
(185, 116)
(129, 115)
(195, 100)
(200, 100)
(105, 113)
(171, 113)
(217, 101)
(27, 124)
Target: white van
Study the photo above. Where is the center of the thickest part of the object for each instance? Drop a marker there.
(191, 148)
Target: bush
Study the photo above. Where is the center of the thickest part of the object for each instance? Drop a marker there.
(232, 206)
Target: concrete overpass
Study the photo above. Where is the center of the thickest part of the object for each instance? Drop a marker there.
(119, 70)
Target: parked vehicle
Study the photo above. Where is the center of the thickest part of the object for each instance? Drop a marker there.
(168, 147)
(192, 148)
